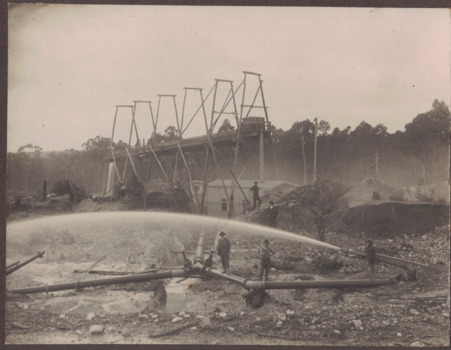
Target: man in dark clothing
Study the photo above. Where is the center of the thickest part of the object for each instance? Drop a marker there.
(223, 251)
(319, 221)
(273, 213)
(266, 253)
(254, 189)
(122, 190)
(371, 257)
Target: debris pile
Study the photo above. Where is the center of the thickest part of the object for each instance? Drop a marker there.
(359, 209)
(212, 311)
(22, 207)
(299, 207)
(160, 196)
(370, 206)
(174, 200)
(95, 204)
(436, 193)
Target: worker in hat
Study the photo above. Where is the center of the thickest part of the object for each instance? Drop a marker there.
(223, 251)
(265, 265)
(370, 257)
(273, 213)
(319, 221)
(254, 189)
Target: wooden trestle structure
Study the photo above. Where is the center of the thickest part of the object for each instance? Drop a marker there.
(212, 155)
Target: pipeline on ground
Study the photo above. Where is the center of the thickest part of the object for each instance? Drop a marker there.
(198, 270)
(251, 284)
(17, 265)
(101, 282)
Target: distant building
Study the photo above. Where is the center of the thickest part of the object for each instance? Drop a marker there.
(216, 199)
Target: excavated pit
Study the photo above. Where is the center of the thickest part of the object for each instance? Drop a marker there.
(370, 206)
(395, 218)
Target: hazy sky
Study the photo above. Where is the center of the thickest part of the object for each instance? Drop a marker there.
(70, 65)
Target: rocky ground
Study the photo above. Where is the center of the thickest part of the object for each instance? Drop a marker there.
(212, 311)
(410, 313)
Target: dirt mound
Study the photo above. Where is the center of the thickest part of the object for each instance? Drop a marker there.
(376, 208)
(367, 192)
(23, 207)
(370, 206)
(159, 196)
(99, 204)
(395, 218)
(158, 185)
(373, 191)
(299, 208)
(319, 195)
(435, 193)
(176, 200)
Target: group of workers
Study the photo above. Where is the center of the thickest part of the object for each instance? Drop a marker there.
(223, 244)
(272, 211)
(223, 250)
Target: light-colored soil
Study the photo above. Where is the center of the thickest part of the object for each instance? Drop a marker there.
(214, 311)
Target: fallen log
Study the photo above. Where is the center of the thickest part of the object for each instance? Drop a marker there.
(268, 335)
(173, 331)
(21, 326)
(90, 268)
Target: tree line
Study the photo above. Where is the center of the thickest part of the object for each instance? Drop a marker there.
(417, 155)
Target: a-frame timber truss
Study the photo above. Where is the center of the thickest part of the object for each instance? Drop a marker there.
(237, 149)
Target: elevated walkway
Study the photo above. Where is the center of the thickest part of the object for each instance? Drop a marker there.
(249, 132)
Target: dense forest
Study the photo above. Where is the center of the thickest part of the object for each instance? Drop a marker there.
(417, 155)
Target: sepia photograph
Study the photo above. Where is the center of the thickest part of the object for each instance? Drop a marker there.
(227, 175)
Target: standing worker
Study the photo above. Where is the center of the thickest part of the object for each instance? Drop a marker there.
(122, 190)
(254, 189)
(371, 257)
(319, 221)
(266, 253)
(223, 251)
(273, 213)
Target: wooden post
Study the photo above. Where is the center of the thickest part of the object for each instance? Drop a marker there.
(204, 187)
(110, 177)
(424, 174)
(377, 162)
(69, 190)
(244, 195)
(262, 158)
(314, 149)
(190, 192)
(44, 190)
(303, 158)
